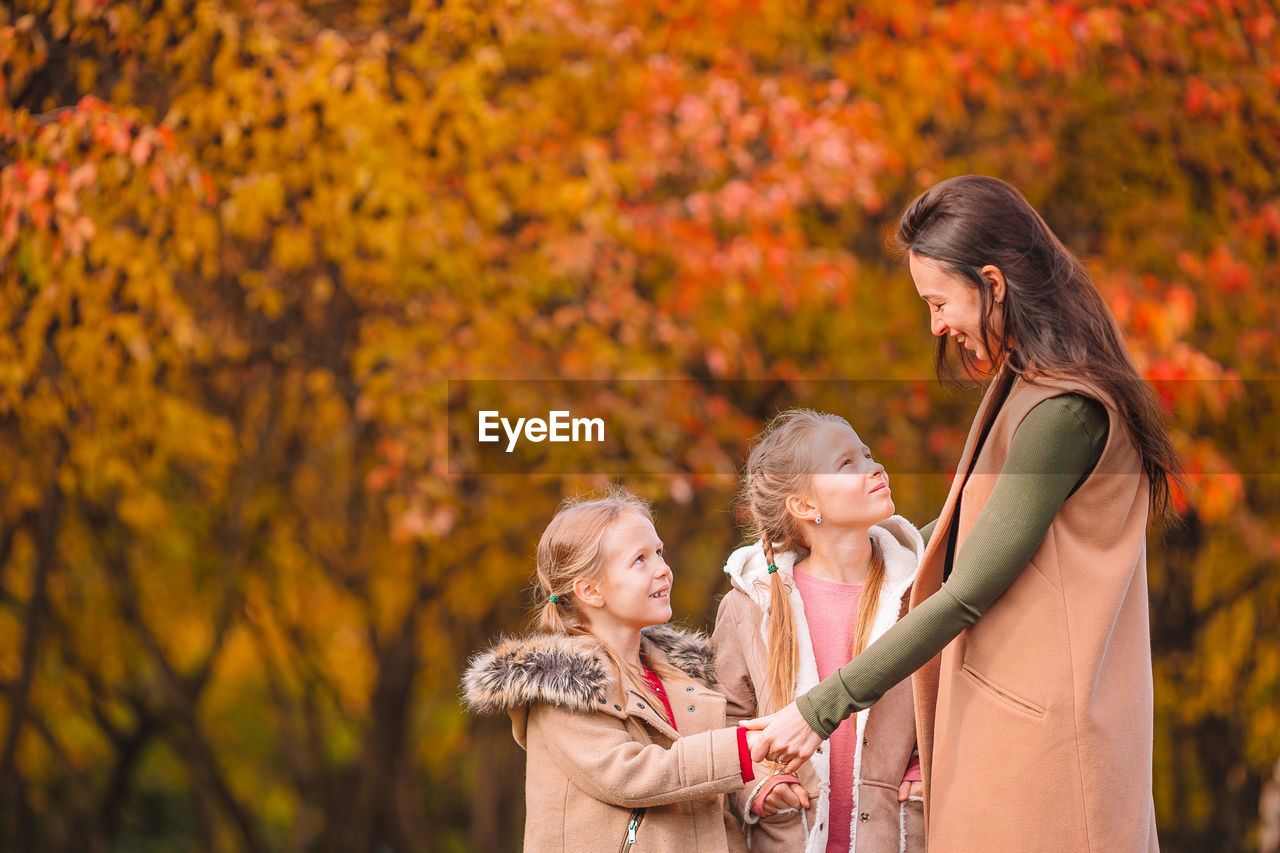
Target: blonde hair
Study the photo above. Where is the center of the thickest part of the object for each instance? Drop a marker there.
(781, 465)
(573, 547)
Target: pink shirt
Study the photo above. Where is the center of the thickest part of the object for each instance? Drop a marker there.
(831, 609)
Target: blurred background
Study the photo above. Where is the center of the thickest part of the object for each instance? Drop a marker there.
(245, 246)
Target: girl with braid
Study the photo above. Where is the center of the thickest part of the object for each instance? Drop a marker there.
(824, 578)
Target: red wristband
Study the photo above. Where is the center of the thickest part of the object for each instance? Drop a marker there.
(744, 757)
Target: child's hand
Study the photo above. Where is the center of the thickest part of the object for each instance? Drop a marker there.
(785, 795)
(910, 789)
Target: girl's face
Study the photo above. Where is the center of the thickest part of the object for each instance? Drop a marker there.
(955, 307)
(849, 487)
(636, 585)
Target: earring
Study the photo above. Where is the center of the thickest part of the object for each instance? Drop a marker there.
(818, 520)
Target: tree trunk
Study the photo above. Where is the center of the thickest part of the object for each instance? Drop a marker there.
(497, 793)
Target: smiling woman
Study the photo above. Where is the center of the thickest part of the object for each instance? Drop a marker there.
(956, 309)
(1032, 686)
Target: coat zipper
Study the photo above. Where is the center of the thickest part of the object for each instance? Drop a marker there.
(630, 838)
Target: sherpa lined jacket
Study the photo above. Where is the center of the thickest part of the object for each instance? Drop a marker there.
(598, 754)
(886, 732)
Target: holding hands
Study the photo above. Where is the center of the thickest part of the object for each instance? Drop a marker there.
(782, 797)
(783, 737)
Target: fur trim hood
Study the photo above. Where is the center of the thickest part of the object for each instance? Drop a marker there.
(572, 672)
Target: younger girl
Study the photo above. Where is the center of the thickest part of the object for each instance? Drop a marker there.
(825, 578)
(627, 745)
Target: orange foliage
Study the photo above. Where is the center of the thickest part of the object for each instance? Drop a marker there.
(253, 255)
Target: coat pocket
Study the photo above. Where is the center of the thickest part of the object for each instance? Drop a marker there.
(1003, 695)
(911, 826)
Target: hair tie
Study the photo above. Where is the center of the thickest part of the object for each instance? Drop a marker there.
(554, 599)
(772, 568)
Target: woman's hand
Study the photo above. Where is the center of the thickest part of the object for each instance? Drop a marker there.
(783, 737)
(910, 789)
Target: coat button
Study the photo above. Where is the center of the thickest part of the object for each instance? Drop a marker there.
(601, 700)
(864, 817)
(639, 704)
(617, 707)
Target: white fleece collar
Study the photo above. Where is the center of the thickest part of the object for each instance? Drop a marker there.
(899, 541)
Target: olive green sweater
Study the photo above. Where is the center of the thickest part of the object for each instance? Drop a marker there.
(1053, 450)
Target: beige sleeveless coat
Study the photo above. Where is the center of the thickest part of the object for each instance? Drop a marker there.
(1035, 724)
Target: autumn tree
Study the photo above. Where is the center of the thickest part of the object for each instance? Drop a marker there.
(260, 260)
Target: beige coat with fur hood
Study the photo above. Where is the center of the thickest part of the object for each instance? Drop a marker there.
(600, 757)
(886, 731)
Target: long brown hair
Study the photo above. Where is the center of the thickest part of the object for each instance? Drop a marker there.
(781, 465)
(1054, 320)
(572, 547)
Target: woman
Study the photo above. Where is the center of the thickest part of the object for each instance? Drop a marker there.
(1035, 721)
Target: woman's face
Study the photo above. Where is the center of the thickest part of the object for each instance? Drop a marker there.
(955, 307)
